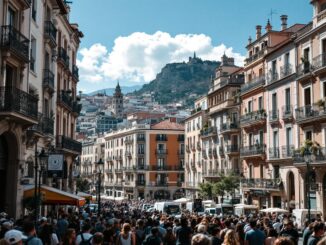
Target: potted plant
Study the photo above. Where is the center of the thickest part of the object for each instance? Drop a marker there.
(321, 103)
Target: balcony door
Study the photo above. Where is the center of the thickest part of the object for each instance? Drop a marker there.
(288, 140)
(323, 46)
(12, 17)
(10, 76)
(307, 101)
(287, 100)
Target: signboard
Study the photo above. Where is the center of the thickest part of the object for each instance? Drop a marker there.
(55, 165)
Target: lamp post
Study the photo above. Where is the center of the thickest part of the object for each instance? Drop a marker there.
(35, 185)
(43, 160)
(307, 158)
(99, 163)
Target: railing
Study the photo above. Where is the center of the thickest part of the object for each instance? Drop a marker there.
(16, 42)
(165, 168)
(272, 77)
(232, 148)
(159, 183)
(15, 100)
(319, 155)
(142, 167)
(47, 125)
(255, 83)
(128, 154)
(286, 70)
(255, 56)
(287, 112)
(287, 151)
(140, 139)
(181, 152)
(48, 79)
(262, 183)
(229, 126)
(75, 72)
(238, 80)
(252, 117)
(308, 66)
(161, 151)
(274, 152)
(252, 150)
(208, 131)
(198, 146)
(63, 56)
(141, 152)
(50, 31)
(273, 115)
(65, 98)
(64, 142)
(310, 112)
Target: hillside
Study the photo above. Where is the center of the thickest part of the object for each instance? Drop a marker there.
(177, 81)
(110, 91)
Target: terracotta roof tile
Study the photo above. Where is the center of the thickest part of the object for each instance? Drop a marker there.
(167, 124)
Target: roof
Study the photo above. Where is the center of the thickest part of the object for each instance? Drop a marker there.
(167, 124)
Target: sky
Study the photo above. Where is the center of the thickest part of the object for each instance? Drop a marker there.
(130, 41)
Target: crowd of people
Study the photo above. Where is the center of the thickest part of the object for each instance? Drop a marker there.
(126, 224)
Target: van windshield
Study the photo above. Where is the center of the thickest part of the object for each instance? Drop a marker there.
(172, 209)
(227, 210)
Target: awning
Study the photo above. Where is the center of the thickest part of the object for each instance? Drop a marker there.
(85, 195)
(52, 195)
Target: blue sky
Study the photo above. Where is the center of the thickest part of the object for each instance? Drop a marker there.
(131, 40)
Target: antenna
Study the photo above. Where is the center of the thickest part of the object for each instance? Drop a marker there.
(271, 15)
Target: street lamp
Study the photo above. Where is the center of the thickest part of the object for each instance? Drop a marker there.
(307, 158)
(43, 160)
(99, 163)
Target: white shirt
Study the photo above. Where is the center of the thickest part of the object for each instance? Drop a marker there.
(86, 236)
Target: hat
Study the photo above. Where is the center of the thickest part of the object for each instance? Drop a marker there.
(43, 219)
(14, 236)
(8, 224)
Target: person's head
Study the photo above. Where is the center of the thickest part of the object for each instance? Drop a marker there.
(140, 223)
(4, 242)
(200, 239)
(229, 238)
(319, 229)
(155, 231)
(271, 232)
(253, 223)
(288, 224)
(184, 222)
(97, 238)
(201, 228)
(321, 242)
(70, 234)
(215, 231)
(86, 228)
(283, 241)
(14, 237)
(29, 228)
(126, 228)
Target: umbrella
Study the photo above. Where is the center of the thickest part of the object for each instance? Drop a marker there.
(182, 200)
(274, 210)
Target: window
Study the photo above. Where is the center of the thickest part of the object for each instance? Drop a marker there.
(249, 106)
(275, 139)
(288, 137)
(11, 17)
(260, 103)
(33, 54)
(251, 171)
(273, 69)
(274, 103)
(34, 6)
(287, 100)
(160, 163)
(262, 171)
(286, 60)
(276, 172)
(308, 135)
(324, 89)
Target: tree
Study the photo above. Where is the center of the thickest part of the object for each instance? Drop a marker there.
(227, 185)
(82, 185)
(206, 189)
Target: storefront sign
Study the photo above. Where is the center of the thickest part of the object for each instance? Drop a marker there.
(55, 165)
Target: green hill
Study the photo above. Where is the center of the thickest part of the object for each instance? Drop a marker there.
(177, 81)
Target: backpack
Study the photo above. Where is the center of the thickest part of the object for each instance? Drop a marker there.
(140, 236)
(28, 240)
(85, 242)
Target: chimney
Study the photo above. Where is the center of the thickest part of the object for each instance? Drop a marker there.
(284, 21)
(249, 40)
(258, 31)
(268, 27)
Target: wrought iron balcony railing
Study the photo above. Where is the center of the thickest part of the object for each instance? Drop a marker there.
(161, 138)
(210, 131)
(232, 148)
(253, 117)
(75, 72)
(319, 155)
(275, 184)
(310, 112)
(15, 100)
(140, 182)
(272, 77)
(273, 115)
(255, 83)
(14, 41)
(66, 143)
(287, 112)
(50, 32)
(252, 150)
(161, 151)
(48, 80)
(274, 153)
(287, 151)
(63, 56)
(286, 70)
(229, 126)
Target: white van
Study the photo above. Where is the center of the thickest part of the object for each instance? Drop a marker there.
(209, 204)
(223, 209)
(244, 209)
(301, 215)
(170, 208)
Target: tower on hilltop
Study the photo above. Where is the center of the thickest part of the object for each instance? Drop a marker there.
(117, 102)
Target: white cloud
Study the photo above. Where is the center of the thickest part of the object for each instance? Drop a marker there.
(140, 56)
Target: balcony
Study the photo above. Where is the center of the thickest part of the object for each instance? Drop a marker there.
(272, 77)
(48, 80)
(181, 153)
(316, 65)
(15, 42)
(215, 152)
(25, 3)
(229, 128)
(253, 118)
(50, 33)
(287, 112)
(253, 84)
(231, 80)
(142, 167)
(252, 151)
(165, 168)
(63, 57)
(190, 185)
(65, 99)
(318, 157)
(110, 159)
(140, 152)
(198, 146)
(128, 154)
(273, 116)
(210, 153)
(129, 168)
(45, 125)
(267, 184)
(118, 158)
(208, 132)
(287, 151)
(69, 145)
(76, 108)
(232, 149)
(158, 184)
(181, 138)
(274, 153)
(141, 139)
(118, 170)
(286, 71)
(161, 138)
(128, 141)
(140, 182)
(212, 174)
(255, 57)
(17, 104)
(75, 72)
(310, 113)
(161, 152)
